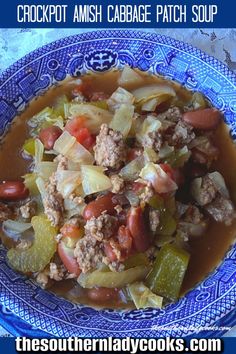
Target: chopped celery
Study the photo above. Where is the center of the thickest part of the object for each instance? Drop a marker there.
(35, 258)
(138, 259)
(30, 183)
(29, 146)
(198, 101)
(39, 151)
(94, 180)
(45, 118)
(161, 240)
(112, 279)
(59, 105)
(156, 202)
(144, 297)
(170, 205)
(168, 272)
(122, 119)
(167, 223)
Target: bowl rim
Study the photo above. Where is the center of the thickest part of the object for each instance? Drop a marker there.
(117, 34)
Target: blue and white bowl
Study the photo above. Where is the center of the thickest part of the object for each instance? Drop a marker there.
(26, 309)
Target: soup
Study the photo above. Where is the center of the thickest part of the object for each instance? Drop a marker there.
(114, 186)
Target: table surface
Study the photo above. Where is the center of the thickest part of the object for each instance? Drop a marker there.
(15, 43)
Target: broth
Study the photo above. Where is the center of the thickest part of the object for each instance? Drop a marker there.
(212, 246)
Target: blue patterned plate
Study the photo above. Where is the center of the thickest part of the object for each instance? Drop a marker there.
(31, 310)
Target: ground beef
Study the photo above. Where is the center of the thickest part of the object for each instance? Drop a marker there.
(193, 215)
(42, 278)
(53, 203)
(28, 210)
(78, 200)
(88, 252)
(222, 210)
(205, 153)
(154, 220)
(173, 114)
(147, 193)
(153, 140)
(117, 184)
(110, 148)
(56, 272)
(101, 228)
(62, 162)
(5, 212)
(206, 192)
(183, 134)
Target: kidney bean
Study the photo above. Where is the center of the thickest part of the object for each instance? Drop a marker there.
(103, 294)
(49, 135)
(109, 251)
(13, 190)
(204, 119)
(96, 207)
(138, 229)
(124, 238)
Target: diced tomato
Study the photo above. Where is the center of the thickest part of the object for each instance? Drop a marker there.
(167, 169)
(83, 88)
(68, 259)
(175, 174)
(138, 229)
(125, 239)
(76, 127)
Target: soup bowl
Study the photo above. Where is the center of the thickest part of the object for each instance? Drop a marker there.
(207, 309)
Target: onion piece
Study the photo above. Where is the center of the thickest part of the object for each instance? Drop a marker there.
(145, 93)
(159, 179)
(14, 228)
(151, 104)
(219, 183)
(120, 96)
(122, 119)
(150, 125)
(129, 76)
(67, 182)
(46, 169)
(94, 180)
(74, 151)
(130, 172)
